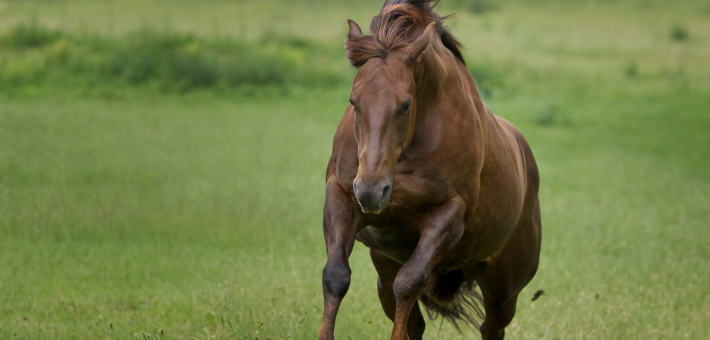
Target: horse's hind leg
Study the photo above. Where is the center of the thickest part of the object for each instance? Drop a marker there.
(387, 270)
(508, 273)
(498, 315)
(500, 287)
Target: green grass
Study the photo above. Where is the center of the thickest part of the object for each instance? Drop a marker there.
(136, 210)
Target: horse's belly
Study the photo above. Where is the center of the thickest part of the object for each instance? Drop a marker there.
(477, 246)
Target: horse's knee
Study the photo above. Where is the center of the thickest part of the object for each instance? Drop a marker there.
(407, 288)
(336, 279)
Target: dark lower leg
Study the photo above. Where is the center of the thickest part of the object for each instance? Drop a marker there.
(407, 288)
(498, 316)
(387, 270)
(336, 281)
(416, 324)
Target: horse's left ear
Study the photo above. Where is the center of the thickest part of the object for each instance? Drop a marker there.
(418, 46)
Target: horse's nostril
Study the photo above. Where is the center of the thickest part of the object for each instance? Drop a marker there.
(372, 197)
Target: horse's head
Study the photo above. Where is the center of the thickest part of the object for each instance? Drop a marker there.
(383, 99)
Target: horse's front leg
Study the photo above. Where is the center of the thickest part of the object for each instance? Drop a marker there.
(442, 231)
(339, 228)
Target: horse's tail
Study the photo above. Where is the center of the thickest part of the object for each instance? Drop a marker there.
(454, 297)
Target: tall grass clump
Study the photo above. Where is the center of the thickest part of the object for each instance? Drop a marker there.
(30, 34)
(256, 68)
(33, 56)
(169, 59)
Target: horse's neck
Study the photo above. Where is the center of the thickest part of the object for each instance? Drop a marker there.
(440, 76)
(446, 92)
(434, 71)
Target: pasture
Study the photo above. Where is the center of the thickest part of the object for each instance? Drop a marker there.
(176, 192)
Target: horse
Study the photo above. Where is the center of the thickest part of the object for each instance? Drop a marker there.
(443, 192)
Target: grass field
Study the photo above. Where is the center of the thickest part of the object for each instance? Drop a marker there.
(170, 206)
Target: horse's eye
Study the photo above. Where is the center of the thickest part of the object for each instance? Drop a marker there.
(353, 105)
(406, 106)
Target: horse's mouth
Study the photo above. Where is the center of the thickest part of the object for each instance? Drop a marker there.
(368, 211)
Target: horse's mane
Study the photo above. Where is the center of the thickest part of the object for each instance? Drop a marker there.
(390, 30)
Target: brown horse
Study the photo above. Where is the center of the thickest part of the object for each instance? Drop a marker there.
(442, 191)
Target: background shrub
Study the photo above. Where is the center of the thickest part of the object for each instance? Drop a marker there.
(171, 60)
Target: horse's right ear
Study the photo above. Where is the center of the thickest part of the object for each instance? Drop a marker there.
(351, 44)
(354, 31)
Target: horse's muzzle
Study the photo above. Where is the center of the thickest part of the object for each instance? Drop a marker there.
(372, 197)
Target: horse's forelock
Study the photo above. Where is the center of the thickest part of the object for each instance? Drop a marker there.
(362, 49)
(391, 30)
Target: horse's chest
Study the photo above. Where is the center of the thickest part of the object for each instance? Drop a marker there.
(417, 193)
(397, 241)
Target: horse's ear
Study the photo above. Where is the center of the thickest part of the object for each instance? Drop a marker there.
(354, 35)
(354, 31)
(418, 46)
